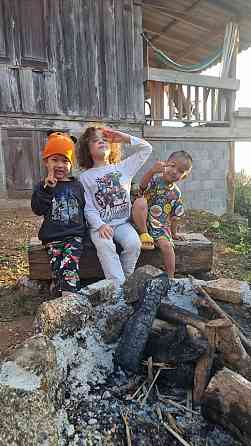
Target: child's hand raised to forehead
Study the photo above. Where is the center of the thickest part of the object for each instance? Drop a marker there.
(114, 136)
(50, 180)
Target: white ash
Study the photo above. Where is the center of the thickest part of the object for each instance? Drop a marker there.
(17, 377)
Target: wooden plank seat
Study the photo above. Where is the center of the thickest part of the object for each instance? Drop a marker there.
(193, 255)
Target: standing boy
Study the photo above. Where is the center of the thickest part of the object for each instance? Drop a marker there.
(60, 199)
(157, 212)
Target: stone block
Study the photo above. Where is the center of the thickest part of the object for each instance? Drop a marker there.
(100, 292)
(112, 320)
(227, 290)
(64, 315)
(28, 387)
(29, 287)
(137, 281)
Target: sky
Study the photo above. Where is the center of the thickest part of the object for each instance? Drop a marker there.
(243, 99)
(243, 149)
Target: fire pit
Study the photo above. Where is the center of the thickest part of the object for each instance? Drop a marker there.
(105, 372)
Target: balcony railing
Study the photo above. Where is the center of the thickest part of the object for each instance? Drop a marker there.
(172, 96)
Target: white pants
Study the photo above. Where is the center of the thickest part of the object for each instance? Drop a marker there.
(117, 267)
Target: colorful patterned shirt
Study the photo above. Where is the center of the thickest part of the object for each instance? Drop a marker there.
(164, 202)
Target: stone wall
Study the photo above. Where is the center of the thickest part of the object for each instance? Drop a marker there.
(206, 187)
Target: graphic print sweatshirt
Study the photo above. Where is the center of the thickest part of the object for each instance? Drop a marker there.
(107, 188)
(63, 209)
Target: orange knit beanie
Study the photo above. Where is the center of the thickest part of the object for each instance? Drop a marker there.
(59, 144)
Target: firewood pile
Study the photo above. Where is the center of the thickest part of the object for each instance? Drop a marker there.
(208, 356)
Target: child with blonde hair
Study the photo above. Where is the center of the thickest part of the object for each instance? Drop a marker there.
(107, 184)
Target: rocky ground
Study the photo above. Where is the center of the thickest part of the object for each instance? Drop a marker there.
(70, 378)
(18, 226)
(67, 392)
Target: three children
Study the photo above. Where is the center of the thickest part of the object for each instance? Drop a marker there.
(102, 198)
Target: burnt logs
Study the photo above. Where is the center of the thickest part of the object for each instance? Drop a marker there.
(171, 313)
(176, 350)
(227, 401)
(130, 351)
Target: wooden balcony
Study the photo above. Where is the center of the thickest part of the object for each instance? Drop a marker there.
(189, 99)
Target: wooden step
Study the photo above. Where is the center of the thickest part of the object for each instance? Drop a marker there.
(193, 255)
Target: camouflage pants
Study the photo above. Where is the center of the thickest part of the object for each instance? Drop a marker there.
(64, 258)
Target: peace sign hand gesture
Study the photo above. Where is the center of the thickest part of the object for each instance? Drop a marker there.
(50, 180)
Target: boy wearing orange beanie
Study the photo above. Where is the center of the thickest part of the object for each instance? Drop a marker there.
(60, 199)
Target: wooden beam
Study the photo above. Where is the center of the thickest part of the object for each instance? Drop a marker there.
(226, 7)
(177, 17)
(199, 80)
(172, 44)
(208, 38)
(194, 254)
(200, 133)
(174, 21)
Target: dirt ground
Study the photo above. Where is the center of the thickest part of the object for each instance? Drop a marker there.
(16, 317)
(18, 226)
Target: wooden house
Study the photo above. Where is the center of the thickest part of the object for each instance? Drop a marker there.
(64, 63)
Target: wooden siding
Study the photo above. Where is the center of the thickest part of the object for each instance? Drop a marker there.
(23, 164)
(72, 58)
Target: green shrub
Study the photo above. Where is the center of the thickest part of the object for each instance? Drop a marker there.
(243, 195)
(236, 235)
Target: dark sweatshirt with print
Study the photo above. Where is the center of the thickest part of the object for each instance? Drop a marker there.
(63, 209)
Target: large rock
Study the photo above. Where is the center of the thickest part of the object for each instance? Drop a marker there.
(28, 388)
(64, 315)
(136, 282)
(227, 290)
(100, 292)
(29, 287)
(111, 320)
(27, 418)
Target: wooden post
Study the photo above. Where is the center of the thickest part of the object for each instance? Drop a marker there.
(205, 98)
(146, 56)
(146, 67)
(231, 178)
(197, 113)
(230, 109)
(157, 93)
(212, 104)
(189, 105)
(180, 102)
(171, 100)
(232, 75)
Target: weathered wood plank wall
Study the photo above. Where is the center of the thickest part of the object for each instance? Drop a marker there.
(72, 58)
